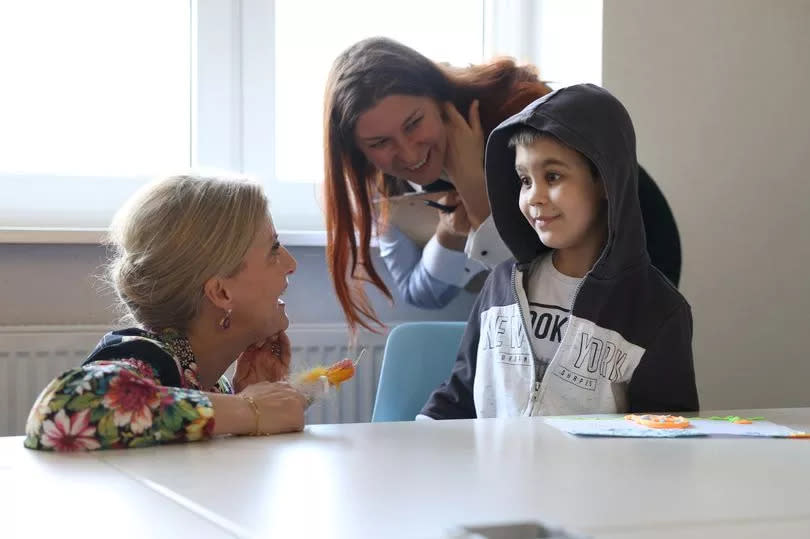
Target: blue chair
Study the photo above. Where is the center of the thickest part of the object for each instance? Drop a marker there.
(418, 357)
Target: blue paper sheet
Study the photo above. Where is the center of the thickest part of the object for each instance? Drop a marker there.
(617, 426)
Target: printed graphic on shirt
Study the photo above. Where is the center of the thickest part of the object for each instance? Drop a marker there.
(590, 354)
(550, 295)
(502, 329)
(548, 327)
(504, 374)
(548, 321)
(588, 361)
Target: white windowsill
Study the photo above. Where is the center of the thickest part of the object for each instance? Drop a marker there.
(96, 236)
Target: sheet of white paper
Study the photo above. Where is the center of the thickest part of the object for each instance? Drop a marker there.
(617, 426)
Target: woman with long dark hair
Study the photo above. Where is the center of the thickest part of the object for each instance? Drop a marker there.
(395, 121)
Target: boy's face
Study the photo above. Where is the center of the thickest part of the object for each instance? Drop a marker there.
(559, 195)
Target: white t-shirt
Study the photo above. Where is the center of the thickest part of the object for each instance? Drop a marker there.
(551, 297)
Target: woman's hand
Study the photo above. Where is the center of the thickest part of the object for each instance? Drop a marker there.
(464, 161)
(281, 407)
(453, 226)
(267, 363)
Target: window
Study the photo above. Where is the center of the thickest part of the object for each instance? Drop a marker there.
(283, 136)
(562, 37)
(305, 52)
(101, 95)
(94, 92)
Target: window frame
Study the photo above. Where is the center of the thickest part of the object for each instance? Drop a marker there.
(232, 124)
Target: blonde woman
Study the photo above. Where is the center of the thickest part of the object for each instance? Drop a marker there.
(198, 267)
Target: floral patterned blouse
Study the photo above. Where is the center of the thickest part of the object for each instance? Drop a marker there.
(136, 389)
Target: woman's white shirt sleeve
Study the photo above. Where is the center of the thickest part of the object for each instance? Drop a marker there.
(485, 245)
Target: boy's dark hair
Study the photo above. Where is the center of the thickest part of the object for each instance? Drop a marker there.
(526, 136)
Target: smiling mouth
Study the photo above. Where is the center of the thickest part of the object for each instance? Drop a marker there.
(420, 164)
(543, 221)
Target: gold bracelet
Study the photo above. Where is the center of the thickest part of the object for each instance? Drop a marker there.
(256, 413)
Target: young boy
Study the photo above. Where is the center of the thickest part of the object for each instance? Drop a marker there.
(580, 322)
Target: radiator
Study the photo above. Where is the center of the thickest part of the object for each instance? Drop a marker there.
(30, 356)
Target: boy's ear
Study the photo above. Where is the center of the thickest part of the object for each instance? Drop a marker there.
(216, 290)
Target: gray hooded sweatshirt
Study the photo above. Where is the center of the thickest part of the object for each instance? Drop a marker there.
(627, 345)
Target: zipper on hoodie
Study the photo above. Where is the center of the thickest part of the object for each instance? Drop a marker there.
(527, 332)
(565, 333)
(536, 387)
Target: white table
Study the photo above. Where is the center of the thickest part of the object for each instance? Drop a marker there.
(418, 479)
(80, 495)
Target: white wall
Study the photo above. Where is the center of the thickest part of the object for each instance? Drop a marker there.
(59, 284)
(718, 91)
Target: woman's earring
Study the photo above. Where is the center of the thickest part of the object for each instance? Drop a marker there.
(225, 323)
